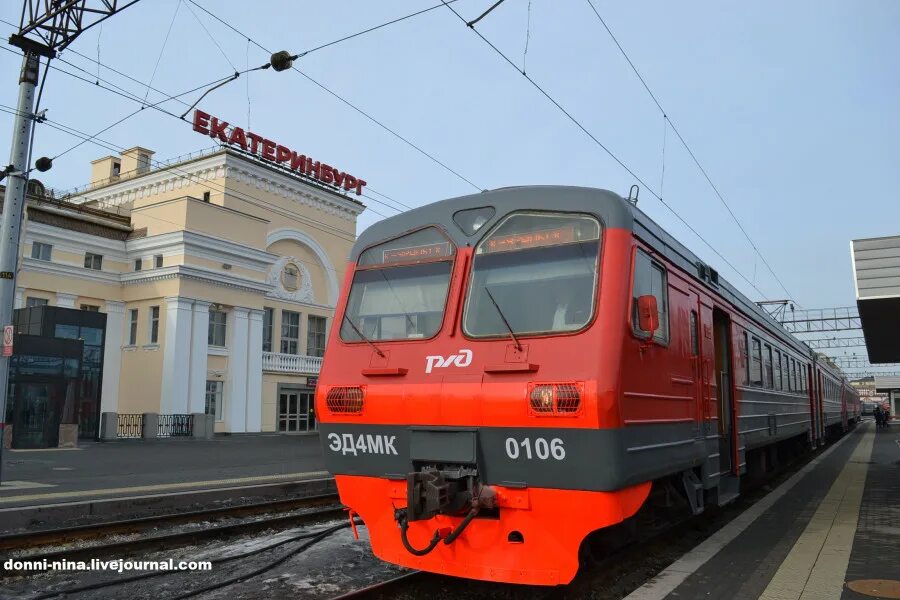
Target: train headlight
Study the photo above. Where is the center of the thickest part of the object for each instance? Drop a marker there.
(559, 399)
(542, 398)
(345, 400)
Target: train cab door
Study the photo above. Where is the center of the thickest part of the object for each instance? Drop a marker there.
(723, 374)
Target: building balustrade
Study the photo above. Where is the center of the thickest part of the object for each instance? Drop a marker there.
(280, 362)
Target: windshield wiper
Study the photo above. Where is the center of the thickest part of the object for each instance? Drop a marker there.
(512, 334)
(363, 337)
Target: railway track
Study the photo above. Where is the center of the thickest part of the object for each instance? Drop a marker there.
(613, 566)
(321, 507)
(387, 588)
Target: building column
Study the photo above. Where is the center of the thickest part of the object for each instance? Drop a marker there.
(66, 300)
(254, 372)
(20, 298)
(236, 382)
(199, 351)
(176, 357)
(112, 356)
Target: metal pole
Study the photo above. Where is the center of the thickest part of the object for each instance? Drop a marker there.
(11, 222)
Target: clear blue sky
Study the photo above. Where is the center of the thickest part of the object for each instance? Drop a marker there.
(793, 108)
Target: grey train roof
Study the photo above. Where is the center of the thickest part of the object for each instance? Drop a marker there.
(612, 210)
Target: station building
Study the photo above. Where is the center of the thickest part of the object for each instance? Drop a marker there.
(218, 274)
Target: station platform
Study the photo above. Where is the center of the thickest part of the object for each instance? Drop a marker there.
(831, 531)
(109, 477)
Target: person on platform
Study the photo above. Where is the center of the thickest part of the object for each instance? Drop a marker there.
(879, 418)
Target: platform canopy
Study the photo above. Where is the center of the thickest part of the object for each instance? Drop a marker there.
(876, 274)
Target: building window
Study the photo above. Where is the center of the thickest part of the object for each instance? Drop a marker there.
(154, 324)
(290, 332)
(206, 196)
(90, 307)
(214, 398)
(157, 261)
(29, 302)
(116, 169)
(138, 264)
(41, 251)
(132, 326)
(216, 328)
(650, 279)
(268, 314)
(767, 372)
(93, 261)
(756, 377)
(315, 336)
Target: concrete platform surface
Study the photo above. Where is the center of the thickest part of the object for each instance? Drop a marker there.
(146, 467)
(830, 529)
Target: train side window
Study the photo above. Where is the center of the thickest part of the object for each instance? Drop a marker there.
(778, 383)
(794, 375)
(786, 373)
(650, 279)
(695, 341)
(756, 377)
(745, 353)
(767, 372)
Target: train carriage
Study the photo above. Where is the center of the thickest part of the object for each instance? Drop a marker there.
(512, 370)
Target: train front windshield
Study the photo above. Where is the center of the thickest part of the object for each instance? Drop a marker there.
(399, 291)
(538, 271)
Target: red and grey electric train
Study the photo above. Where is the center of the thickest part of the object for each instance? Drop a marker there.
(513, 370)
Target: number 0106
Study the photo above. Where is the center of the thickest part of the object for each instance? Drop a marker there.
(540, 448)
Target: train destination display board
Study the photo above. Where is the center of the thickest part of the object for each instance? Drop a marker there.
(417, 253)
(534, 239)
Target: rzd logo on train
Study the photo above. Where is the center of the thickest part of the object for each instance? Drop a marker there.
(463, 359)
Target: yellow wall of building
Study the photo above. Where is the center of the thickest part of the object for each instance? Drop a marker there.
(51, 284)
(238, 211)
(140, 381)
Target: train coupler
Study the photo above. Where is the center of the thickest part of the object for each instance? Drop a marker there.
(432, 491)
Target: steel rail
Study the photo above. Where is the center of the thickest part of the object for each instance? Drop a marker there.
(169, 540)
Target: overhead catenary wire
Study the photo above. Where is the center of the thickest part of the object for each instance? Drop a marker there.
(129, 95)
(249, 198)
(605, 148)
(162, 49)
(185, 175)
(250, 41)
(368, 30)
(211, 37)
(688, 148)
(88, 137)
(346, 102)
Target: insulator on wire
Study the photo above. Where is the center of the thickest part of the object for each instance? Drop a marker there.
(282, 61)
